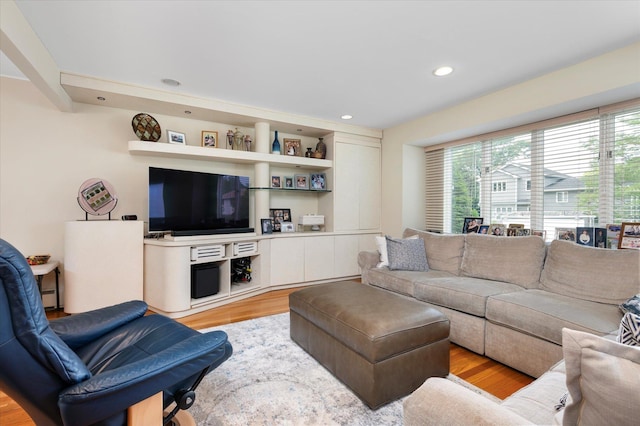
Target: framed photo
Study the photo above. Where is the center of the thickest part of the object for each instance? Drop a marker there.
(278, 217)
(318, 181)
(516, 225)
(512, 232)
(471, 225)
(567, 234)
(497, 229)
(292, 147)
(629, 237)
(275, 182)
(613, 235)
(209, 138)
(176, 137)
(288, 182)
(523, 232)
(302, 181)
(287, 227)
(600, 237)
(267, 226)
(584, 236)
(484, 229)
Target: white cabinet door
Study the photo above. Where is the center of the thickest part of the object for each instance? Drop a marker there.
(318, 258)
(287, 261)
(346, 249)
(357, 187)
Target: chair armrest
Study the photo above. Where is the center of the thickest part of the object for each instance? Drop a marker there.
(80, 329)
(113, 391)
(368, 259)
(442, 402)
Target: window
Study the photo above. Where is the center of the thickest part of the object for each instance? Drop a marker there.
(562, 197)
(578, 170)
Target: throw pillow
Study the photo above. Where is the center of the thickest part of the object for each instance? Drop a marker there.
(631, 305)
(603, 378)
(629, 333)
(381, 244)
(407, 254)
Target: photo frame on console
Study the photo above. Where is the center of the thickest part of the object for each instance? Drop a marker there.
(278, 217)
(471, 225)
(629, 237)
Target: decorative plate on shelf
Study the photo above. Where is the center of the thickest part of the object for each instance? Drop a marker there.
(97, 197)
(146, 127)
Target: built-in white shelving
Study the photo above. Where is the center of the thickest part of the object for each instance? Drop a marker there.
(203, 153)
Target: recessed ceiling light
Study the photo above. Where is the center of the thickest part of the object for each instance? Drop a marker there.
(442, 71)
(170, 82)
(347, 117)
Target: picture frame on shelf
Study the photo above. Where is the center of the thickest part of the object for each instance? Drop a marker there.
(567, 234)
(267, 226)
(523, 232)
(471, 225)
(539, 233)
(497, 230)
(276, 182)
(484, 229)
(278, 217)
(302, 181)
(584, 236)
(318, 181)
(288, 182)
(176, 137)
(613, 235)
(287, 227)
(209, 139)
(292, 147)
(629, 237)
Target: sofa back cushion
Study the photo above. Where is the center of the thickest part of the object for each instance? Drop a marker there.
(515, 260)
(444, 252)
(588, 273)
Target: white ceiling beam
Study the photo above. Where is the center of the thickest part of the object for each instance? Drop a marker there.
(22, 46)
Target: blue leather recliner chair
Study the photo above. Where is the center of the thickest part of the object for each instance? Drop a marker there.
(89, 368)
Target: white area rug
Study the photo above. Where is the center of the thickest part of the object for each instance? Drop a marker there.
(270, 380)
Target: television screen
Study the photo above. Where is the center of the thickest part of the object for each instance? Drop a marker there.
(196, 203)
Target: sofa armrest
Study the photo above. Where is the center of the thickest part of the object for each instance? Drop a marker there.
(368, 259)
(442, 402)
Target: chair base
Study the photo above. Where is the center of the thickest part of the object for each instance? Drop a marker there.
(149, 412)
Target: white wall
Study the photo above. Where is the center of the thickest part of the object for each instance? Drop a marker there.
(609, 78)
(45, 155)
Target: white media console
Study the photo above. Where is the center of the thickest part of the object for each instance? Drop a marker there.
(277, 261)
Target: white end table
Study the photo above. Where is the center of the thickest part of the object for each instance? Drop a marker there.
(40, 271)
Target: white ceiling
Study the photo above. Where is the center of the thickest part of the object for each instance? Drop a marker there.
(370, 59)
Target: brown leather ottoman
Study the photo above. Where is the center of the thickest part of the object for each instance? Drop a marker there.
(380, 344)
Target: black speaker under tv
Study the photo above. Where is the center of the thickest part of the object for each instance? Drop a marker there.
(196, 203)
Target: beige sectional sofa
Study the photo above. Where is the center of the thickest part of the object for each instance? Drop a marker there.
(510, 297)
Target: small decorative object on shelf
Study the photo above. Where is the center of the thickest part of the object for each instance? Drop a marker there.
(241, 270)
(97, 197)
(176, 137)
(275, 147)
(321, 147)
(318, 181)
(308, 154)
(247, 143)
(230, 136)
(292, 147)
(238, 140)
(146, 127)
(39, 259)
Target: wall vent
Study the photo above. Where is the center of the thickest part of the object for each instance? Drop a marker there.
(201, 253)
(243, 249)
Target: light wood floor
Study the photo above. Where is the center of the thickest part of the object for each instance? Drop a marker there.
(487, 374)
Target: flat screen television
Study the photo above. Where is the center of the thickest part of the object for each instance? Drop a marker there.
(196, 203)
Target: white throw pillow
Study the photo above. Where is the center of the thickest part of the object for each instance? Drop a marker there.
(381, 244)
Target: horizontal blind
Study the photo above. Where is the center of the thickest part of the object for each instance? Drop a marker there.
(434, 191)
(626, 159)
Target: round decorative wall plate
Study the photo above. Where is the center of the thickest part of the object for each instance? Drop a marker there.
(146, 127)
(97, 197)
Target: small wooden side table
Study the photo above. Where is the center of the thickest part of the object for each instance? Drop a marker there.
(39, 271)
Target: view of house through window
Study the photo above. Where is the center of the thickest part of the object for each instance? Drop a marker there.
(582, 173)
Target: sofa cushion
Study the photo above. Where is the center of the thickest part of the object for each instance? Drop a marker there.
(407, 254)
(629, 333)
(631, 305)
(398, 281)
(444, 252)
(381, 244)
(603, 379)
(463, 294)
(543, 314)
(515, 260)
(589, 273)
